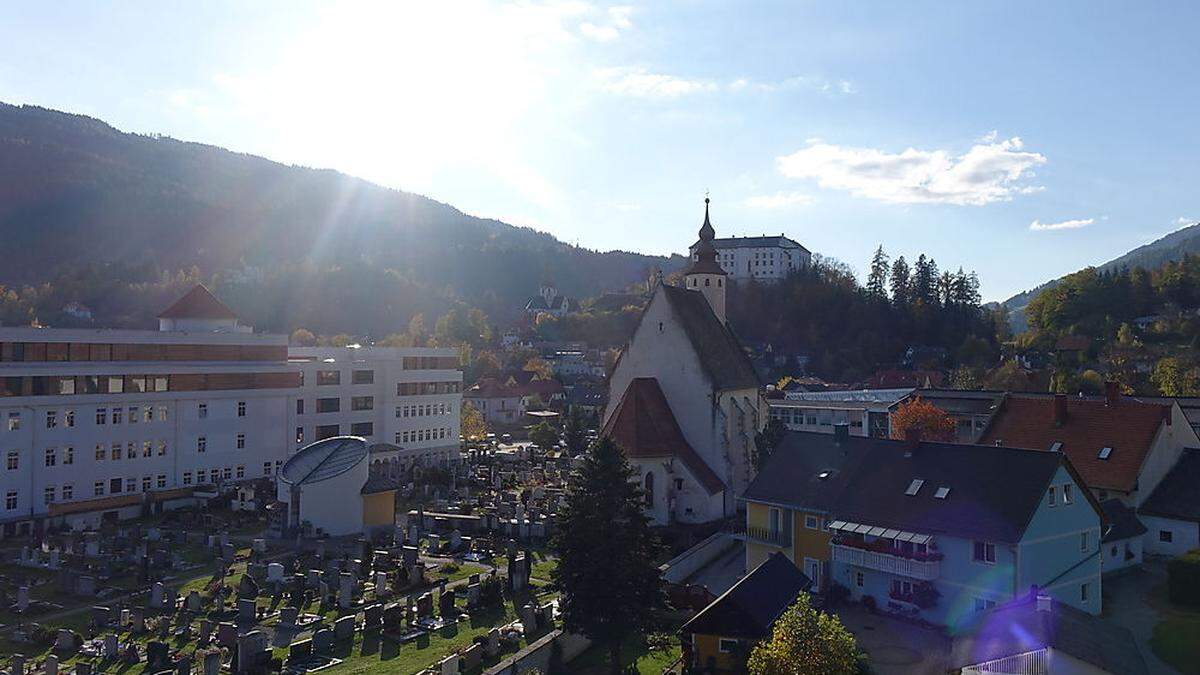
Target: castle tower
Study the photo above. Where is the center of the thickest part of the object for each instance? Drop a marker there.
(705, 273)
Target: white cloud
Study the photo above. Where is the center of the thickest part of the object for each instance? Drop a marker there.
(1038, 226)
(805, 82)
(640, 83)
(990, 171)
(779, 200)
(1183, 221)
(617, 19)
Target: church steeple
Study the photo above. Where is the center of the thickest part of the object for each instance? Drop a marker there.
(704, 274)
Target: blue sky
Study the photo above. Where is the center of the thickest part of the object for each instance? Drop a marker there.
(1023, 140)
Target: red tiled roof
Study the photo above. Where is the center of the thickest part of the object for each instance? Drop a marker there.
(644, 426)
(490, 387)
(1128, 427)
(198, 303)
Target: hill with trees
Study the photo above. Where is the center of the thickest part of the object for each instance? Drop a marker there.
(120, 222)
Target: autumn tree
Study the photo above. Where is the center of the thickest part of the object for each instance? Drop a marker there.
(541, 367)
(302, 337)
(472, 425)
(1174, 378)
(610, 583)
(934, 423)
(805, 641)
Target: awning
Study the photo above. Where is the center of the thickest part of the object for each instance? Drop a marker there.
(881, 532)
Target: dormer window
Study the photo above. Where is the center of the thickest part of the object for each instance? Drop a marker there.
(914, 487)
(942, 492)
(1052, 496)
(1104, 452)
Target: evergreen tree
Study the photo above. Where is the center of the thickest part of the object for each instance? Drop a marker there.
(573, 432)
(901, 284)
(611, 588)
(925, 280)
(945, 289)
(877, 281)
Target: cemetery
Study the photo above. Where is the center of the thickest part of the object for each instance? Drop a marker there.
(461, 581)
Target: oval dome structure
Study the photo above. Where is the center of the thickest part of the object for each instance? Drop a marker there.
(324, 460)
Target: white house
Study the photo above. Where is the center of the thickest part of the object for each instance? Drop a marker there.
(684, 400)
(765, 258)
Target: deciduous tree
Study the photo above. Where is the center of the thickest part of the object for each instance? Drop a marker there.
(805, 641)
(934, 423)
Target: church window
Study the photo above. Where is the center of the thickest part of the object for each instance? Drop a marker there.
(718, 283)
(649, 490)
(707, 282)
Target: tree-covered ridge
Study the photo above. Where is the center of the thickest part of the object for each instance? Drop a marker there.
(850, 330)
(285, 246)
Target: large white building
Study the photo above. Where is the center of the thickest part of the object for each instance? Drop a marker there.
(765, 258)
(684, 400)
(406, 402)
(109, 424)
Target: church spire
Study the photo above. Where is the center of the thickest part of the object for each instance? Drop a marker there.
(704, 257)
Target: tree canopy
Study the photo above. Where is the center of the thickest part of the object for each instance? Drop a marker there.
(805, 641)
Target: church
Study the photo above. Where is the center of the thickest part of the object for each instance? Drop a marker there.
(684, 400)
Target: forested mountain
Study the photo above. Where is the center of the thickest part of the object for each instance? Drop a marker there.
(118, 221)
(1171, 248)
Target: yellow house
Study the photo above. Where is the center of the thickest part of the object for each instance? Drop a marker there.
(720, 637)
(788, 504)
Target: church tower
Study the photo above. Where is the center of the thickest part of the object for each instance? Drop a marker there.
(705, 273)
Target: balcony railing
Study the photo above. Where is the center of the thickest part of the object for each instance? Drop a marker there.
(765, 535)
(926, 570)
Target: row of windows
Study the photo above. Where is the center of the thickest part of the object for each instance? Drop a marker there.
(66, 385)
(420, 435)
(83, 351)
(114, 485)
(1067, 492)
(329, 377)
(239, 443)
(217, 473)
(115, 451)
(425, 410)
(202, 410)
(427, 388)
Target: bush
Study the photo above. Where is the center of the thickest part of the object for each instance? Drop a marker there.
(1183, 579)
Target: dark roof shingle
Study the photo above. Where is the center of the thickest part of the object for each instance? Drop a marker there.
(718, 349)
(751, 606)
(1177, 496)
(1125, 523)
(198, 303)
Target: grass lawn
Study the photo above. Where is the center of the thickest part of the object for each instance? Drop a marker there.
(465, 569)
(1177, 641)
(636, 655)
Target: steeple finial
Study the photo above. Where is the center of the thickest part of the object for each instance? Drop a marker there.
(707, 233)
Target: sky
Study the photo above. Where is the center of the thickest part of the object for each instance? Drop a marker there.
(1023, 140)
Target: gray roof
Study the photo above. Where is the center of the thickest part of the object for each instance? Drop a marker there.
(718, 349)
(752, 605)
(858, 395)
(994, 491)
(1176, 496)
(1124, 522)
(324, 460)
(1018, 627)
(779, 241)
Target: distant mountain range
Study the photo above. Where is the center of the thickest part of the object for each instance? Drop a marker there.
(1172, 247)
(74, 192)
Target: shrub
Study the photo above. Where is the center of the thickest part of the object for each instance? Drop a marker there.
(1183, 579)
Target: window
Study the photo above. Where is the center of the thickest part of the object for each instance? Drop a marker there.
(859, 579)
(1051, 497)
(148, 414)
(187, 477)
(145, 483)
(51, 419)
(1105, 453)
(941, 493)
(133, 414)
(648, 488)
(100, 452)
(160, 383)
(98, 489)
(68, 492)
(116, 385)
(327, 431)
(66, 386)
(48, 494)
(201, 475)
(241, 409)
(162, 413)
(299, 406)
(914, 487)
(727, 646)
(362, 429)
(162, 448)
(362, 377)
(984, 604)
(68, 455)
(202, 410)
(162, 480)
(14, 421)
(14, 460)
(51, 457)
(812, 522)
(147, 448)
(1083, 542)
(1166, 536)
(1068, 493)
(241, 471)
(10, 500)
(118, 415)
(241, 441)
(101, 416)
(137, 384)
(362, 402)
(266, 468)
(131, 485)
(299, 434)
(984, 552)
(328, 405)
(325, 377)
(114, 486)
(201, 444)
(1083, 592)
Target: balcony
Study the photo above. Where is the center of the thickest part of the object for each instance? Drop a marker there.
(926, 570)
(765, 535)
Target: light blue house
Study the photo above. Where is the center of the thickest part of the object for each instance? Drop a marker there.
(941, 531)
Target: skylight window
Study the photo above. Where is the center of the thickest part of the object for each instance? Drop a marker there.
(1105, 452)
(1056, 446)
(942, 492)
(914, 487)
(824, 474)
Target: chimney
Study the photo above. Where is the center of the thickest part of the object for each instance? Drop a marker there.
(841, 433)
(1060, 409)
(912, 439)
(1112, 392)
(1044, 602)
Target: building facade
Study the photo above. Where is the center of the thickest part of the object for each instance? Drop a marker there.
(762, 258)
(407, 398)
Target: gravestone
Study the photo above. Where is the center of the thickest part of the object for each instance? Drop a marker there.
(157, 653)
(111, 647)
(301, 651)
(450, 665)
(372, 616)
(343, 628)
(50, 665)
(472, 657)
(252, 651)
(473, 594)
(22, 598)
(156, 595)
(288, 615)
(137, 621)
(83, 668)
(446, 604)
(528, 620)
(212, 663)
(322, 641)
(131, 655)
(313, 578)
(260, 545)
(247, 610)
(193, 602)
(184, 665)
(425, 605)
(274, 573)
(205, 631)
(393, 616)
(345, 590)
(227, 635)
(65, 641)
(16, 664)
(86, 585)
